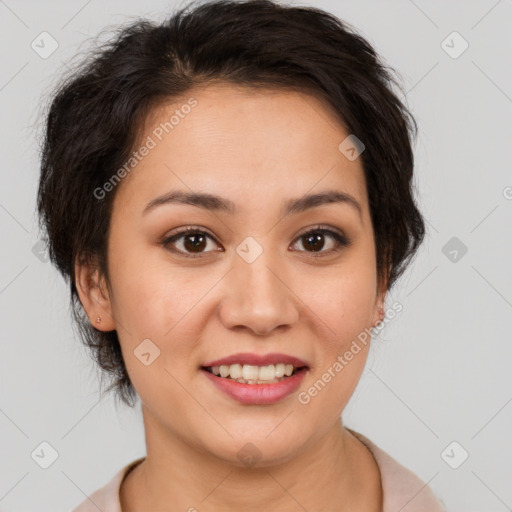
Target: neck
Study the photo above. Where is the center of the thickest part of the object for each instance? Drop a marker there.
(335, 473)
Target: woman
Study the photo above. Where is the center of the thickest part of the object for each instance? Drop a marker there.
(229, 194)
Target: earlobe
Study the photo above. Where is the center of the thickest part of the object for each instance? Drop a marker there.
(94, 296)
(379, 312)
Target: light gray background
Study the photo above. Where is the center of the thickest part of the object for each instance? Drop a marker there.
(439, 373)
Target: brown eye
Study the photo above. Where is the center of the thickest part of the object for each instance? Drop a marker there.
(315, 241)
(189, 242)
(194, 242)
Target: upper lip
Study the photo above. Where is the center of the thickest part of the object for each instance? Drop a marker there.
(257, 360)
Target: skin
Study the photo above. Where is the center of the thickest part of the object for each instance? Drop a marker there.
(258, 149)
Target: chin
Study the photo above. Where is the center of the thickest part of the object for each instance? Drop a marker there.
(254, 447)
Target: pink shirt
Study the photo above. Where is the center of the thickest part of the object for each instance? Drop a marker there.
(402, 489)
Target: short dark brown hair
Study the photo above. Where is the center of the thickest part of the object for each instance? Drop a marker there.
(95, 115)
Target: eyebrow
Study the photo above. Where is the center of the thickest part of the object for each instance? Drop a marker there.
(216, 203)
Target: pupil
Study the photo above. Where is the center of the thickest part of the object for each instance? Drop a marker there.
(316, 241)
(198, 243)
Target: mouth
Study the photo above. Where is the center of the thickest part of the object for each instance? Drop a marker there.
(255, 375)
(256, 385)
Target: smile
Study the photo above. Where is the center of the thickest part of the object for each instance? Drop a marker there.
(257, 392)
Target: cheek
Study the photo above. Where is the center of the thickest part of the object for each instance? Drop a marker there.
(344, 309)
(153, 305)
(343, 305)
(342, 297)
(327, 392)
(152, 295)
(155, 301)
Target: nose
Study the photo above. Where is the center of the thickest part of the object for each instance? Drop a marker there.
(258, 297)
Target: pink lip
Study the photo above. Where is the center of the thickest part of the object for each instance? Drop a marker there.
(257, 360)
(257, 394)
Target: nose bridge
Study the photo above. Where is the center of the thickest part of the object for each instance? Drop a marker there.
(254, 266)
(257, 296)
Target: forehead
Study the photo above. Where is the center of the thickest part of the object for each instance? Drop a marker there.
(233, 140)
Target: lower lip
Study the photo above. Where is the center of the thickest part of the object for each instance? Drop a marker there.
(258, 394)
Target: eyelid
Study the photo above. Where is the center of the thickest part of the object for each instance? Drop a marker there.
(188, 229)
(320, 227)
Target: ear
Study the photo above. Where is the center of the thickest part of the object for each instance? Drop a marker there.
(379, 308)
(94, 296)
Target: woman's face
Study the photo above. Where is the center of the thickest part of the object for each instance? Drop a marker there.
(258, 278)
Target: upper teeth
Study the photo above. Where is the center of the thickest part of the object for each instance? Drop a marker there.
(250, 372)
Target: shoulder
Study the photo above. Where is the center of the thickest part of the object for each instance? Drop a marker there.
(400, 486)
(106, 498)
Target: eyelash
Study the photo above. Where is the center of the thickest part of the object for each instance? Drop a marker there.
(341, 240)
